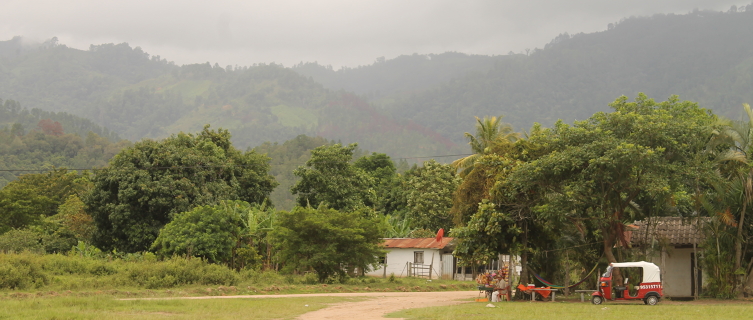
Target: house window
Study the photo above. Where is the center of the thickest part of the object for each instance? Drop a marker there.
(382, 259)
(418, 257)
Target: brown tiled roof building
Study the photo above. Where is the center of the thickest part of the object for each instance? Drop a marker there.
(675, 231)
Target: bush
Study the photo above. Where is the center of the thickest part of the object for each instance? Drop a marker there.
(20, 241)
(262, 277)
(21, 272)
(178, 271)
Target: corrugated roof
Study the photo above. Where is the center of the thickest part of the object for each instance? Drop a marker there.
(419, 243)
(675, 230)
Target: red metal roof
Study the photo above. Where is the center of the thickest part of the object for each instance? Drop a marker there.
(423, 243)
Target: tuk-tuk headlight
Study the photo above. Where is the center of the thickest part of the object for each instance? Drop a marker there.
(603, 284)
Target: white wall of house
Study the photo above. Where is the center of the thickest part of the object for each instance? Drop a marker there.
(677, 272)
(397, 260)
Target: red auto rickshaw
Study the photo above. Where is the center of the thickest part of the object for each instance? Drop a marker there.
(649, 289)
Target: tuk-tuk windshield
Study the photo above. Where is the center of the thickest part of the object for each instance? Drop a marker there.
(607, 273)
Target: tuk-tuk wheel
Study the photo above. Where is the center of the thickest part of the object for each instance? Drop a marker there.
(597, 299)
(652, 300)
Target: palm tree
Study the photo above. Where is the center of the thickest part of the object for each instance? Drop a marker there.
(739, 135)
(493, 138)
(492, 135)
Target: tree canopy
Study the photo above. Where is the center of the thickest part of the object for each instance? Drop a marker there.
(147, 184)
(326, 240)
(329, 178)
(601, 171)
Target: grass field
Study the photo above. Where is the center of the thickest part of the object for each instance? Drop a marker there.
(105, 307)
(578, 310)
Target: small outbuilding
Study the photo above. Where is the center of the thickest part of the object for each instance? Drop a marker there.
(417, 257)
(673, 244)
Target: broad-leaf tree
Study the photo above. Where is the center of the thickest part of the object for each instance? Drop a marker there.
(429, 191)
(597, 169)
(146, 185)
(329, 178)
(327, 240)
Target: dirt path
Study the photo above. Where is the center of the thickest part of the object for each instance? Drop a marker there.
(385, 303)
(381, 303)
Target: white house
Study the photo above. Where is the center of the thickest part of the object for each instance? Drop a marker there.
(417, 257)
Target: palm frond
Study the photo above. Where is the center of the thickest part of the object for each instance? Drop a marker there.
(727, 218)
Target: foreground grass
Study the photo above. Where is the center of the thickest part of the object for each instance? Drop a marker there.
(68, 287)
(573, 310)
(104, 307)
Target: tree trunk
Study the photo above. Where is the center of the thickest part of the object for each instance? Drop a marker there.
(740, 278)
(567, 274)
(523, 261)
(609, 240)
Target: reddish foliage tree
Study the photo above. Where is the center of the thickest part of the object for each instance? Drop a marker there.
(51, 127)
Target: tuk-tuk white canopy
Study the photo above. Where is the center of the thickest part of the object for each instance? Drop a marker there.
(651, 271)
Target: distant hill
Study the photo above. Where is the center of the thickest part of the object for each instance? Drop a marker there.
(32, 140)
(406, 73)
(12, 113)
(141, 96)
(413, 105)
(702, 56)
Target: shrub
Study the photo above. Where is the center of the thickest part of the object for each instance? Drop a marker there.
(262, 277)
(177, 271)
(20, 241)
(21, 272)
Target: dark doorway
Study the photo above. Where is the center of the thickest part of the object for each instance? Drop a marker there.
(696, 277)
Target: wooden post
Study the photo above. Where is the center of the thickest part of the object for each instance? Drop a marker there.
(385, 267)
(567, 274)
(695, 271)
(431, 266)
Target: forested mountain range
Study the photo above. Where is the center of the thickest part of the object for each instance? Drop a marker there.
(413, 105)
(702, 56)
(141, 96)
(406, 73)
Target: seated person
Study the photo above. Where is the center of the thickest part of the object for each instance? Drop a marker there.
(495, 296)
(634, 290)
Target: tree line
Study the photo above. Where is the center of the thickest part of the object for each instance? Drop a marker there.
(555, 196)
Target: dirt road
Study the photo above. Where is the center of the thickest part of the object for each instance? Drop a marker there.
(384, 303)
(378, 304)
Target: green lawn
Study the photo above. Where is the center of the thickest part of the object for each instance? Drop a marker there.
(578, 310)
(106, 307)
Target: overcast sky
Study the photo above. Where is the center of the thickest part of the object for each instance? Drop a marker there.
(334, 32)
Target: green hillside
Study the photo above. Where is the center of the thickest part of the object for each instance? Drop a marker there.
(413, 105)
(141, 96)
(32, 140)
(405, 73)
(701, 56)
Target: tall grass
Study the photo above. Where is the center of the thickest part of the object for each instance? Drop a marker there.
(74, 271)
(33, 271)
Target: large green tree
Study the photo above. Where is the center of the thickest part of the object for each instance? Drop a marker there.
(146, 185)
(597, 170)
(327, 240)
(429, 191)
(330, 178)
